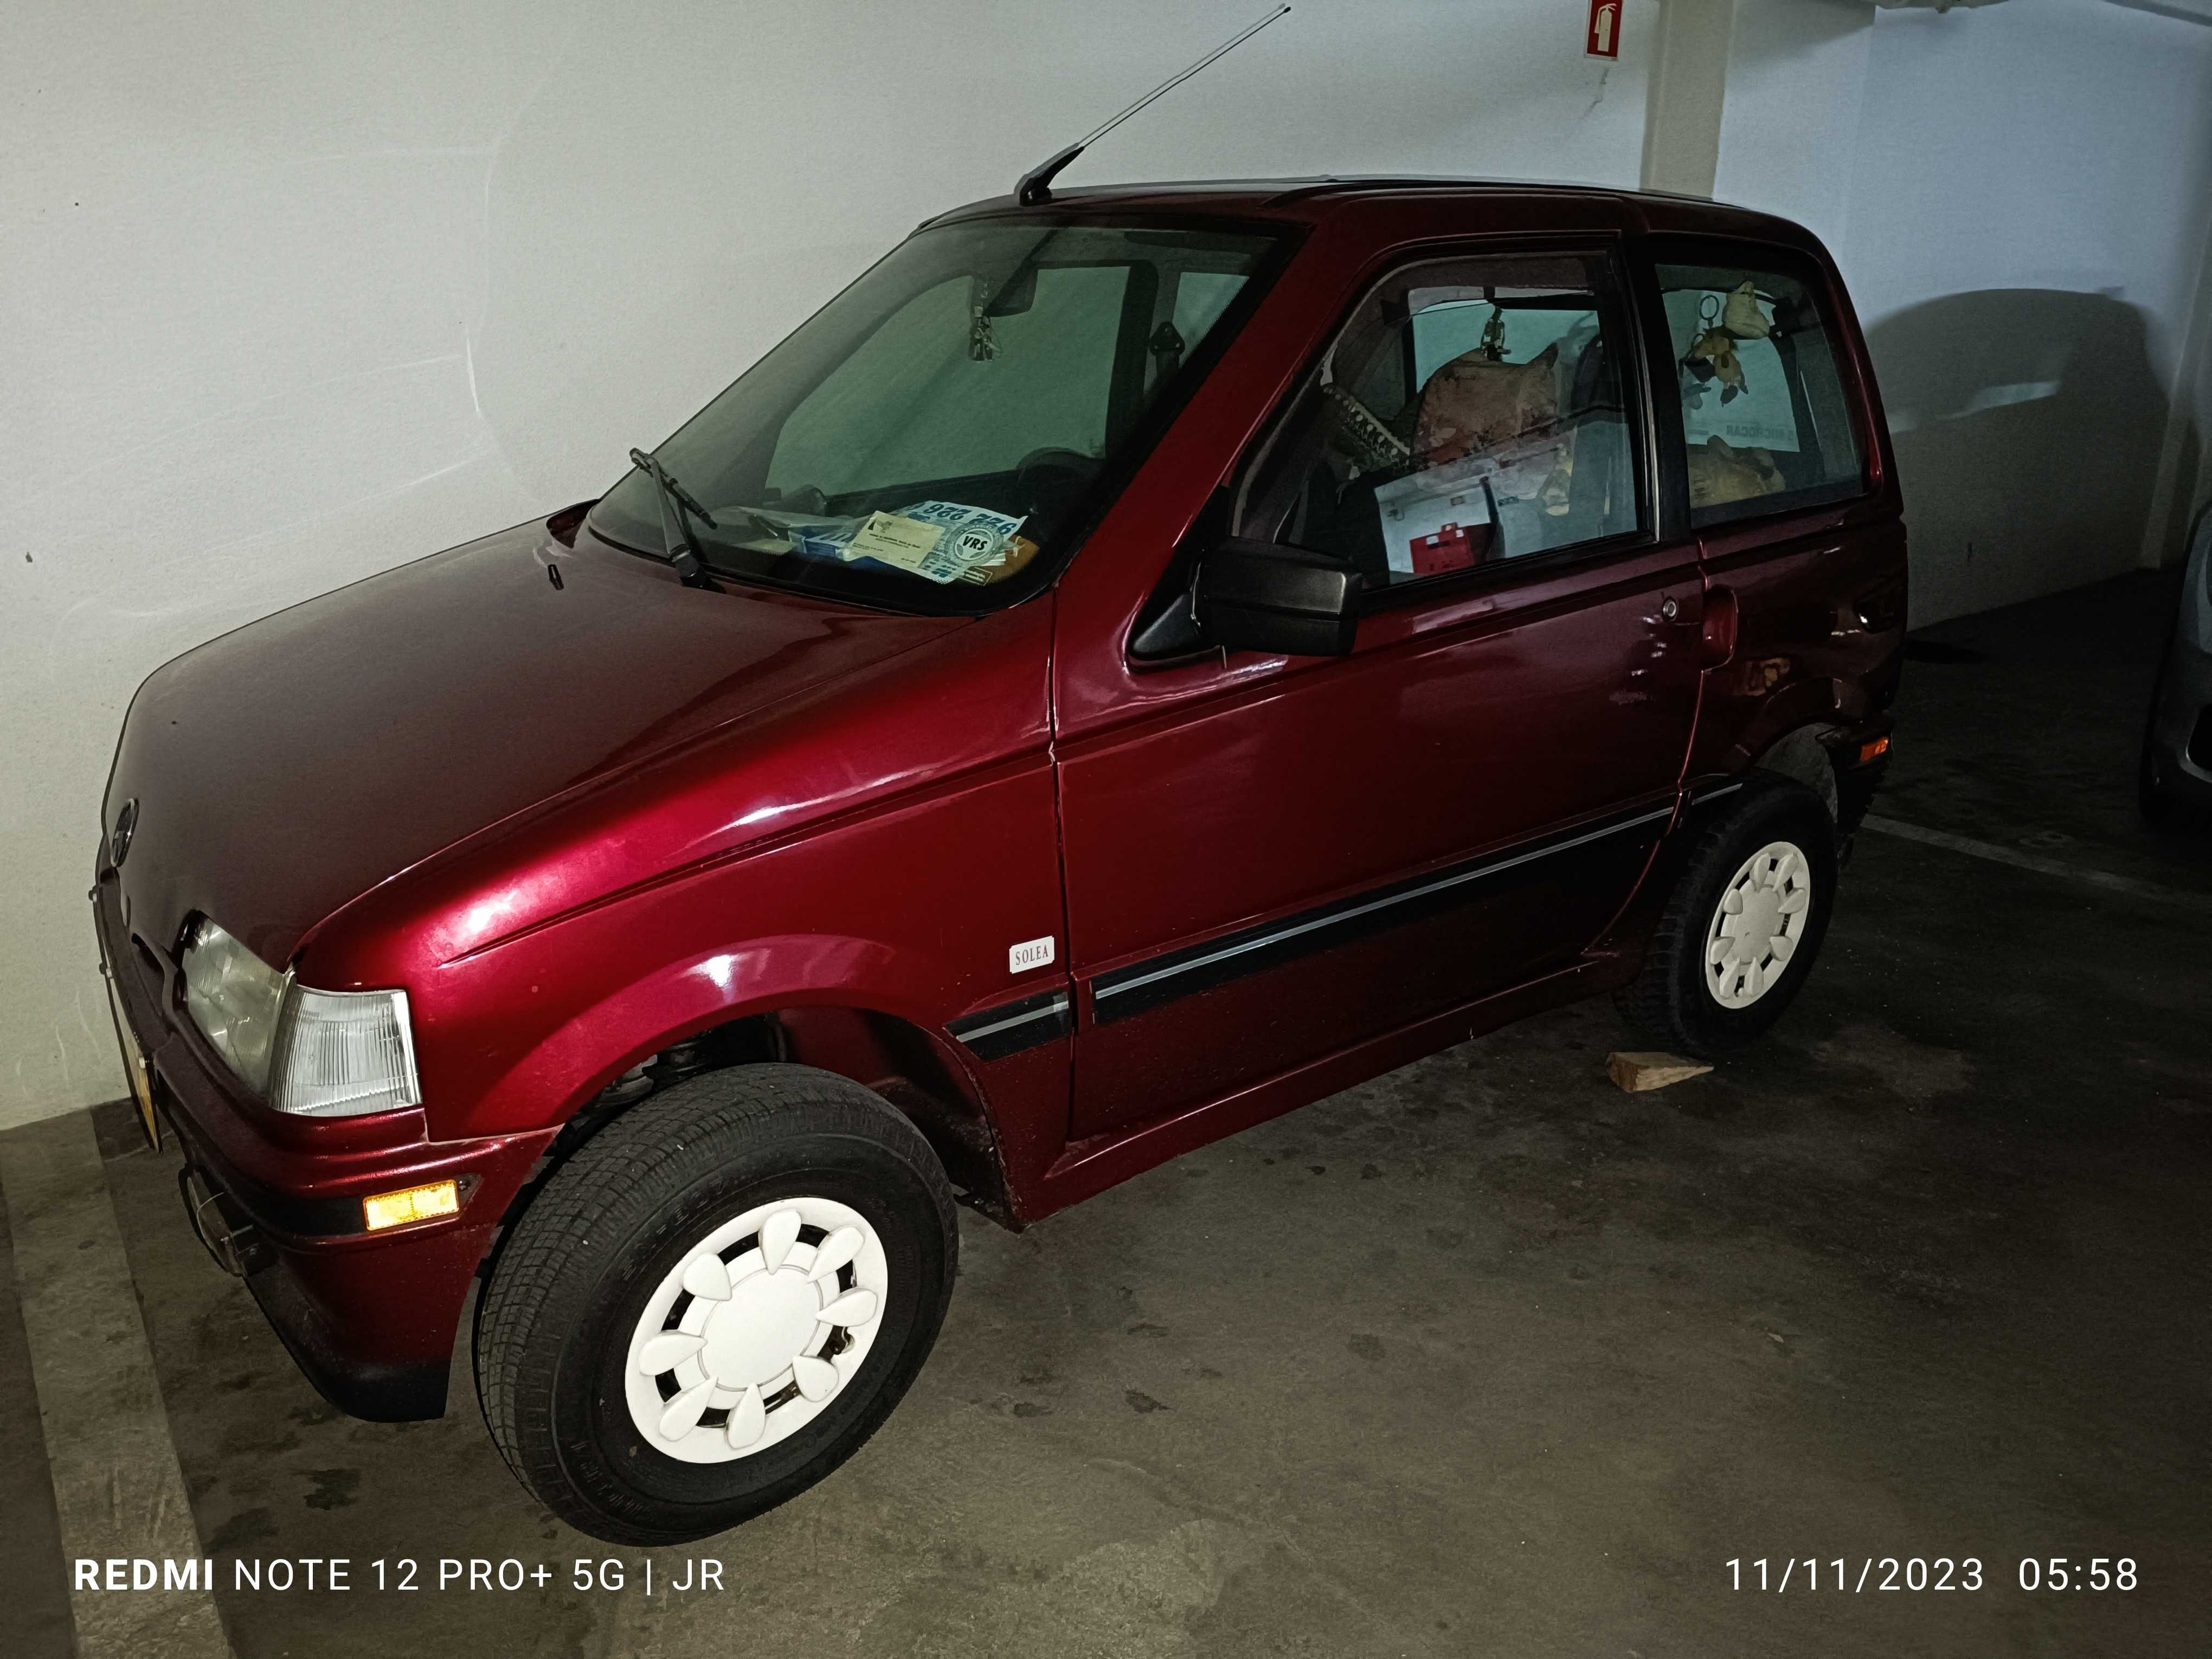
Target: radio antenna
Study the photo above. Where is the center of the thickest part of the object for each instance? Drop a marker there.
(1035, 186)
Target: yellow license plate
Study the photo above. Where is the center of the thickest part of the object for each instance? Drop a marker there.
(133, 1063)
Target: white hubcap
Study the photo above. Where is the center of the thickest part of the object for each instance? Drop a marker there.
(752, 1333)
(1757, 924)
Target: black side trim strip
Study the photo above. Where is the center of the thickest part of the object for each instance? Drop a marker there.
(1147, 985)
(1011, 1027)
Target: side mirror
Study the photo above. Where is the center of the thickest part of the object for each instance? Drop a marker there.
(1284, 601)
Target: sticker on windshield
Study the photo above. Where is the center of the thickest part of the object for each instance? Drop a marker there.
(939, 541)
(1009, 562)
(892, 539)
(942, 541)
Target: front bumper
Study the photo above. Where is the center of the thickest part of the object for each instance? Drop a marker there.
(370, 1317)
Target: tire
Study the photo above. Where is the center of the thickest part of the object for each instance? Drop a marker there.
(1676, 1001)
(699, 1221)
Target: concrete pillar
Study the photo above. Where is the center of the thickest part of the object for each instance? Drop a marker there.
(1682, 108)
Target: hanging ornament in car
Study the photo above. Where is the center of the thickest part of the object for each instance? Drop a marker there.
(1493, 343)
(983, 344)
(1723, 324)
(1713, 356)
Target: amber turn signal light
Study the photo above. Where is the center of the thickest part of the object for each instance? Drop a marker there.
(382, 1210)
(1872, 751)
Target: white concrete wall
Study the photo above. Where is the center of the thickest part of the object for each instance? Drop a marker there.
(1797, 81)
(2018, 197)
(288, 294)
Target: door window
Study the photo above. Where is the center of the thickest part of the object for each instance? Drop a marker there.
(1765, 422)
(1470, 412)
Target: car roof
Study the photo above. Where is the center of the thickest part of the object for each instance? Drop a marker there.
(1312, 200)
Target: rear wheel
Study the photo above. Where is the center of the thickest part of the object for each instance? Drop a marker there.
(714, 1303)
(1743, 927)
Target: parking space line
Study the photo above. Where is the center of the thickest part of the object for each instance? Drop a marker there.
(33, 1573)
(117, 1486)
(2179, 897)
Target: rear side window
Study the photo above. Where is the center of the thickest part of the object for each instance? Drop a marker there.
(1766, 418)
(1470, 413)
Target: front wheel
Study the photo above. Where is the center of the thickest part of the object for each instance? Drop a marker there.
(714, 1303)
(1743, 926)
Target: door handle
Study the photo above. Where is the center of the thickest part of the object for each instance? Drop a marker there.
(1716, 639)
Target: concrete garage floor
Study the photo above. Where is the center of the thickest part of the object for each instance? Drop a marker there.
(1486, 1357)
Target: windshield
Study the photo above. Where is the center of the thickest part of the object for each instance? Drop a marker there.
(937, 431)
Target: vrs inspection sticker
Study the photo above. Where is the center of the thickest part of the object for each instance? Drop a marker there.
(940, 540)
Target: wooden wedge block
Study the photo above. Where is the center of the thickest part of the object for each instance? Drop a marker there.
(1638, 1071)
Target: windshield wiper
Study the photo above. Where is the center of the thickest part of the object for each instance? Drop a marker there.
(676, 532)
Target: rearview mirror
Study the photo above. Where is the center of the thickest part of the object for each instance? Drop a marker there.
(1016, 294)
(1285, 601)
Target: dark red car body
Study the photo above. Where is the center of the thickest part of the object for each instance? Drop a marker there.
(584, 824)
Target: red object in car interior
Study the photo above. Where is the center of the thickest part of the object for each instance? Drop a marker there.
(1451, 548)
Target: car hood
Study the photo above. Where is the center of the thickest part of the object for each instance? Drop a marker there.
(287, 767)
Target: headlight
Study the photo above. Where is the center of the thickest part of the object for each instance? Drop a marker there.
(321, 1053)
(236, 1000)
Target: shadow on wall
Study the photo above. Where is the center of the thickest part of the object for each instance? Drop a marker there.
(2027, 424)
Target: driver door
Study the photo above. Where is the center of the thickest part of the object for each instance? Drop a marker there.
(1270, 860)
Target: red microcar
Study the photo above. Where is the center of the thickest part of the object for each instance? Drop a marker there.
(1136, 661)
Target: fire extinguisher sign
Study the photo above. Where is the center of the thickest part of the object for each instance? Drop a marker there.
(1604, 38)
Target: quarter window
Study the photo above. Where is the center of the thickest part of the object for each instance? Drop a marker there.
(1470, 413)
(1765, 423)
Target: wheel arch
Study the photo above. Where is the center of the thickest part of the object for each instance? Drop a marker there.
(1802, 753)
(853, 1008)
